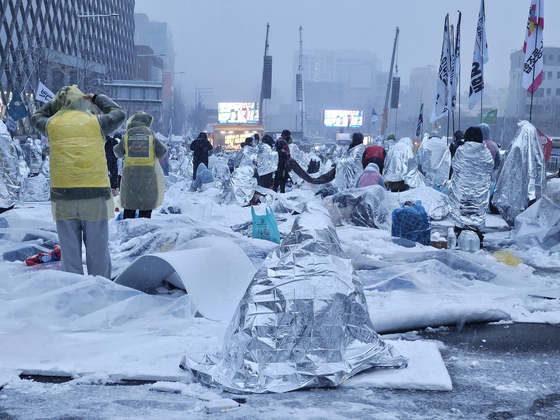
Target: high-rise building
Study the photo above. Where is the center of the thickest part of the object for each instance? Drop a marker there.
(63, 42)
(519, 100)
(338, 80)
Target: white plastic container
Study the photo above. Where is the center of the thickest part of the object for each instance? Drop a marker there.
(469, 241)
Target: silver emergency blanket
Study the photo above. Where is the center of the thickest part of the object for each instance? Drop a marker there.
(436, 204)
(243, 184)
(45, 169)
(303, 322)
(434, 158)
(247, 156)
(400, 164)
(370, 206)
(10, 178)
(470, 185)
(267, 159)
(539, 225)
(221, 173)
(36, 188)
(349, 167)
(523, 175)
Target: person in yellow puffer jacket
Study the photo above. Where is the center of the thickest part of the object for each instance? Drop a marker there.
(81, 197)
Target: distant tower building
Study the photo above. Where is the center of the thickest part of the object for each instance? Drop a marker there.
(47, 40)
(519, 100)
(343, 80)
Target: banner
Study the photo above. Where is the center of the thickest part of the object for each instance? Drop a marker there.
(489, 117)
(43, 94)
(455, 68)
(420, 122)
(374, 119)
(440, 107)
(546, 144)
(533, 47)
(16, 107)
(480, 57)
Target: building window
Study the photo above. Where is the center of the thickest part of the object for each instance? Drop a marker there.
(543, 76)
(557, 92)
(548, 92)
(551, 57)
(549, 75)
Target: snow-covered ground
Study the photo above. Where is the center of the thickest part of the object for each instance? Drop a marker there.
(99, 332)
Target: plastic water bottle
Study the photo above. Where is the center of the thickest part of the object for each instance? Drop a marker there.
(469, 241)
(451, 239)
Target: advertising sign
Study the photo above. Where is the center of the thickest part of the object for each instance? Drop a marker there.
(343, 118)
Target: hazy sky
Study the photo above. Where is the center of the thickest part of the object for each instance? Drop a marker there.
(219, 44)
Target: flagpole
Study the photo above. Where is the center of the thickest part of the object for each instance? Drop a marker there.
(534, 66)
(459, 91)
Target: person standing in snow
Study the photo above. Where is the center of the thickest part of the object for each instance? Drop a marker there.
(266, 162)
(357, 140)
(470, 183)
(80, 190)
(201, 148)
(143, 181)
(282, 173)
(112, 166)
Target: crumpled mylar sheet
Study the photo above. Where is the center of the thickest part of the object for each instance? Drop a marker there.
(247, 156)
(400, 164)
(349, 167)
(267, 159)
(523, 175)
(470, 185)
(303, 322)
(10, 179)
(370, 206)
(435, 159)
(243, 184)
(221, 173)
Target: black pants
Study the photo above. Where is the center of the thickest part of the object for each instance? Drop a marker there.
(131, 214)
(266, 181)
(280, 179)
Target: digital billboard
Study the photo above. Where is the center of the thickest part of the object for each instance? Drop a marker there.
(343, 118)
(238, 112)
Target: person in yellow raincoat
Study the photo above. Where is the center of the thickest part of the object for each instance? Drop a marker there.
(142, 182)
(81, 196)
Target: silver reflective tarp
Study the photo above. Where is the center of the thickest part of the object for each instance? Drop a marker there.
(243, 184)
(434, 159)
(470, 185)
(221, 173)
(523, 175)
(349, 167)
(303, 321)
(247, 156)
(370, 206)
(539, 225)
(267, 159)
(10, 179)
(400, 164)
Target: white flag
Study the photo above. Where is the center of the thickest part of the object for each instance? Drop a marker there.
(455, 68)
(441, 107)
(480, 57)
(43, 93)
(533, 47)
